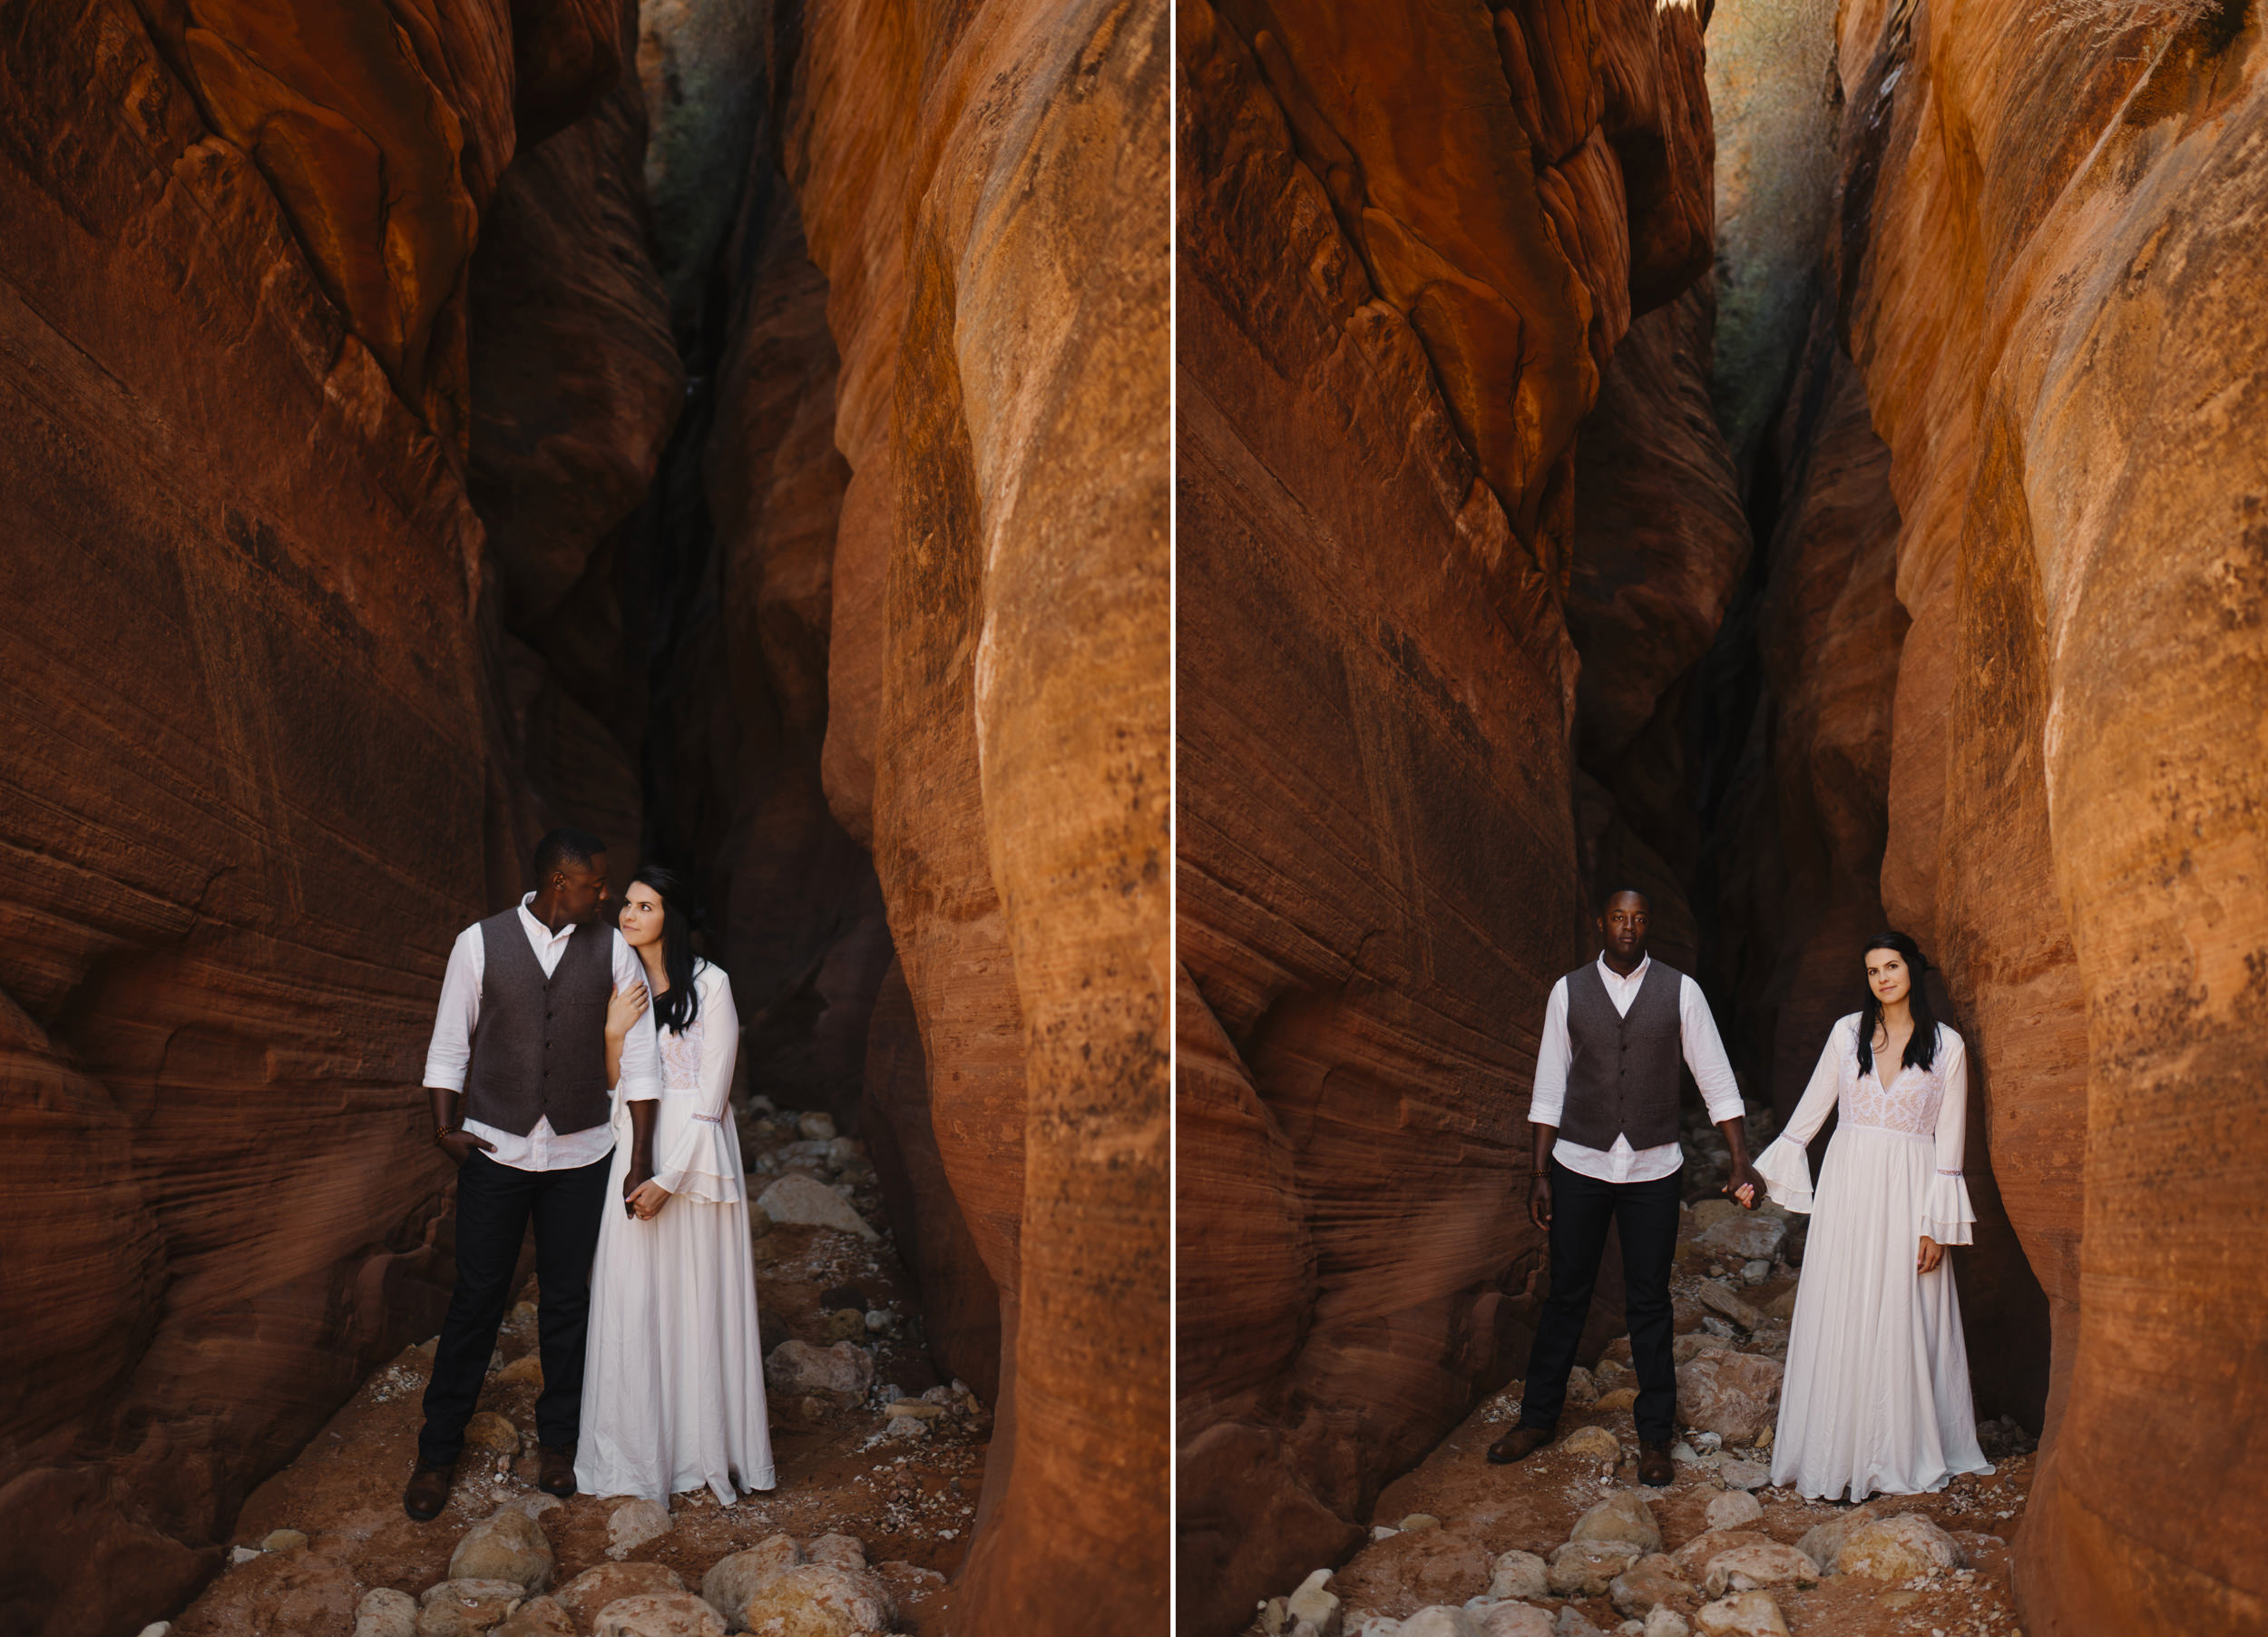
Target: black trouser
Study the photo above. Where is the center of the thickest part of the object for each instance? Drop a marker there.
(493, 1204)
(1581, 1209)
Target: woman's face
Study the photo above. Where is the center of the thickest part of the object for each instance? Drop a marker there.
(642, 916)
(1887, 973)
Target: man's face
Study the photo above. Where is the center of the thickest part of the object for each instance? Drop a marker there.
(1622, 928)
(579, 890)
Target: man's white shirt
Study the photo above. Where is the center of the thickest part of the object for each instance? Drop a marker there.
(451, 1051)
(1704, 1054)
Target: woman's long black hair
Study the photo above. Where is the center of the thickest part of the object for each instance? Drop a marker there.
(1922, 1044)
(681, 1003)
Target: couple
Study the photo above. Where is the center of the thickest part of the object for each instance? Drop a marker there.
(1875, 1395)
(554, 1086)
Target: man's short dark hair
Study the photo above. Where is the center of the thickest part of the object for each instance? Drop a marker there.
(1612, 893)
(563, 847)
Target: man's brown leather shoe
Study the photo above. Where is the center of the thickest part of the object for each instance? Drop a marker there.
(1656, 1469)
(1518, 1445)
(427, 1492)
(555, 1471)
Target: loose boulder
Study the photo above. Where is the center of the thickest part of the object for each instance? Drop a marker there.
(1744, 1238)
(815, 1600)
(658, 1615)
(539, 1617)
(508, 1545)
(732, 1581)
(1440, 1621)
(1514, 1620)
(843, 1371)
(1587, 1568)
(1733, 1509)
(461, 1608)
(1649, 1581)
(1596, 1442)
(1747, 1568)
(1898, 1548)
(387, 1612)
(1623, 1516)
(1749, 1614)
(809, 1202)
(633, 1523)
(1519, 1575)
(595, 1588)
(1736, 1395)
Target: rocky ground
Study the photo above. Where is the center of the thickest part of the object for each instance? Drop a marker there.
(1567, 1543)
(879, 1466)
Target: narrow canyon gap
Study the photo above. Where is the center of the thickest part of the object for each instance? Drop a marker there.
(1933, 599)
(740, 430)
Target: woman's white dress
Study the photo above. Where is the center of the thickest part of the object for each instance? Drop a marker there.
(1876, 1394)
(673, 1385)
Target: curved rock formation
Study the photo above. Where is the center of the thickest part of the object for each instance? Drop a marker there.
(1412, 238)
(2051, 278)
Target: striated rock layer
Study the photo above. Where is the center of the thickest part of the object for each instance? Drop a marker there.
(1412, 240)
(2046, 267)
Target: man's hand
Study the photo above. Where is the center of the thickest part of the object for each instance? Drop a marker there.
(647, 1199)
(642, 1113)
(1742, 1183)
(461, 1145)
(1539, 1200)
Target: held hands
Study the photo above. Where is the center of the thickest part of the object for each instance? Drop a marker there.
(647, 1199)
(1744, 1186)
(1930, 1254)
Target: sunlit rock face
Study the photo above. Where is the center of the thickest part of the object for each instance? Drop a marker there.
(2046, 266)
(1412, 240)
(983, 191)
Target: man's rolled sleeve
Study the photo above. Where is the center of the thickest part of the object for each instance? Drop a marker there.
(1704, 1054)
(1553, 1051)
(450, 1055)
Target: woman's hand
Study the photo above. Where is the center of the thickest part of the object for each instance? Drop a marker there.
(647, 1202)
(1931, 1253)
(623, 1008)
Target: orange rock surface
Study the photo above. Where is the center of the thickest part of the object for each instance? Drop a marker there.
(2051, 280)
(1399, 286)
(985, 193)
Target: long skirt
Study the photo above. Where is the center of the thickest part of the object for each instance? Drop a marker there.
(1876, 1398)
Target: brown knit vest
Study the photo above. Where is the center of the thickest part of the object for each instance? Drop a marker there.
(1622, 1080)
(539, 1046)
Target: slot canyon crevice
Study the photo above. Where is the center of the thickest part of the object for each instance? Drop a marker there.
(739, 429)
(1809, 461)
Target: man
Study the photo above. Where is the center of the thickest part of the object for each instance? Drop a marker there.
(1605, 1115)
(517, 1075)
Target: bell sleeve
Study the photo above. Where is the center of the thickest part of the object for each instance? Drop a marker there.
(704, 1158)
(1785, 1168)
(1946, 1214)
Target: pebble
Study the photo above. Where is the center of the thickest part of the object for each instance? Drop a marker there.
(658, 1615)
(1749, 1614)
(633, 1523)
(1733, 1509)
(1755, 1272)
(386, 1612)
(243, 1555)
(1379, 1532)
(1519, 1575)
(508, 1545)
(794, 1199)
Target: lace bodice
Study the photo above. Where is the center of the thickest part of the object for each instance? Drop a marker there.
(1909, 1103)
(681, 1057)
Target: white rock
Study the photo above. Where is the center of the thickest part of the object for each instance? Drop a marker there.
(1745, 1475)
(243, 1555)
(1667, 1622)
(1440, 1621)
(633, 1523)
(156, 1628)
(798, 1199)
(1312, 1604)
(1519, 1575)
(385, 1612)
(1514, 1620)
(1734, 1508)
(1747, 1568)
(657, 1614)
(1898, 1548)
(1749, 1614)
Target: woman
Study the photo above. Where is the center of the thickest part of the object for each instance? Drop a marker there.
(673, 1393)
(1876, 1394)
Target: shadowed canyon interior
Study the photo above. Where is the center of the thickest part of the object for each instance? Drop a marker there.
(1904, 561)
(740, 430)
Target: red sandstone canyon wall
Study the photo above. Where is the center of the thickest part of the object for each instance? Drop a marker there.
(1412, 240)
(2052, 281)
(251, 767)
(985, 193)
